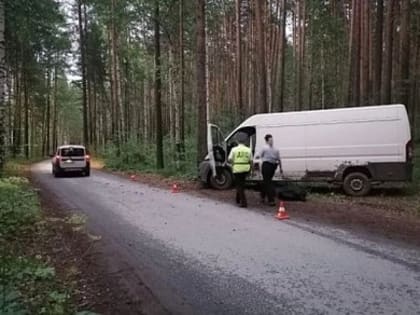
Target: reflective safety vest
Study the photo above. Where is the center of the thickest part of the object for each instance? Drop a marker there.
(241, 159)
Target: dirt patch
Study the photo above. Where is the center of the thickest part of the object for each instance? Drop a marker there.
(390, 213)
(81, 261)
(74, 255)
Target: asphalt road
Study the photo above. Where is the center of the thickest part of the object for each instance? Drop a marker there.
(200, 256)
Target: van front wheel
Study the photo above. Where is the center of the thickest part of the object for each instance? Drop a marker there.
(223, 180)
(356, 184)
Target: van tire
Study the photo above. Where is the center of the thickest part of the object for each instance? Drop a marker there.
(223, 180)
(357, 184)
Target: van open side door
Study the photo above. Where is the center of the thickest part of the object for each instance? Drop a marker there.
(216, 148)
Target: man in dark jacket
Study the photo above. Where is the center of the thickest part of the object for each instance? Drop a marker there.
(270, 157)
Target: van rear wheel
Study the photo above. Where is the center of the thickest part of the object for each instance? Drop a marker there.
(222, 181)
(357, 184)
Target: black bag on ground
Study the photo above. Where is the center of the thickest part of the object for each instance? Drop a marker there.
(290, 192)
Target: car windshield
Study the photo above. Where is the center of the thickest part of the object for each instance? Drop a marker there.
(72, 152)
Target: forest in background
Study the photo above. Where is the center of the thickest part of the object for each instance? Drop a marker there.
(137, 80)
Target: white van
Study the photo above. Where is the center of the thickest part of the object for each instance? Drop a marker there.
(353, 147)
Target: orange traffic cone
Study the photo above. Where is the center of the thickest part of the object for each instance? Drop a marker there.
(282, 214)
(175, 189)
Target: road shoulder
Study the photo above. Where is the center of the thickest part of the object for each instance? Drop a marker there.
(388, 213)
(104, 282)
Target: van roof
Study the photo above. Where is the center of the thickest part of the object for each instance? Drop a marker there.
(273, 118)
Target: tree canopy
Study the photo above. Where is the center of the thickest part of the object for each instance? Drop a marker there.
(110, 73)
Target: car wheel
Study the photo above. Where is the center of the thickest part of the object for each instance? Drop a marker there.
(223, 180)
(357, 184)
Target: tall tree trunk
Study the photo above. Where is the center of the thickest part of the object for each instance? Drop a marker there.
(117, 112)
(322, 76)
(118, 86)
(2, 86)
(201, 79)
(388, 54)
(274, 59)
(364, 53)
(259, 6)
(172, 114)
(405, 54)
(416, 90)
(301, 19)
(239, 97)
(378, 51)
(112, 83)
(180, 128)
(283, 43)
(48, 115)
(17, 124)
(55, 111)
(267, 49)
(26, 106)
(354, 54)
(82, 45)
(127, 108)
(139, 105)
(146, 118)
(158, 91)
(9, 104)
(93, 109)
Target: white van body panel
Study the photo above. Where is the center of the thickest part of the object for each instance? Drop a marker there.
(324, 140)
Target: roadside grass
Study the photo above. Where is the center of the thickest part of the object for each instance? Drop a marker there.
(136, 156)
(17, 167)
(28, 282)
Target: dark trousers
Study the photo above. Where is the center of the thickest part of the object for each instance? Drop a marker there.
(268, 170)
(240, 188)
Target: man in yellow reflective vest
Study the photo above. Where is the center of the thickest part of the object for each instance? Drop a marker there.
(241, 159)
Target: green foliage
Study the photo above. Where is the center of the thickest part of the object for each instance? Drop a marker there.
(27, 285)
(19, 208)
(70, 107)
(9, 302)
(328, 46)
(139, 156)
(37, 41)
(227, 120)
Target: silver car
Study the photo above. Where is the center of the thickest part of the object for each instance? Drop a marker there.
(71, 158)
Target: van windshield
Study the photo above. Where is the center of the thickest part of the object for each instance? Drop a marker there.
(250, 141)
